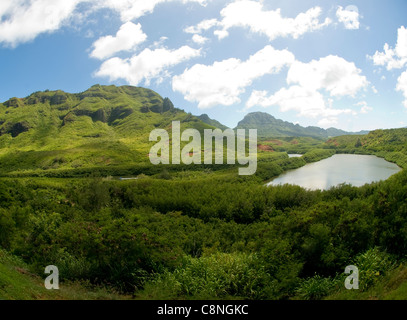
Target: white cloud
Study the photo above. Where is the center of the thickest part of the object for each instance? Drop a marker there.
(402, 86)
(22, 21)
(133, 9)
(393, 58)
(332, 73)
(308, 103)
(349, 17)
(159, 43)
(148, 65)
(374, 90)
(6, 6)
(364, 107)
(328, 122)
(401, 47)
(202, 26)
(199, 39)
(127, 38)
(251, 14)
(223, 82)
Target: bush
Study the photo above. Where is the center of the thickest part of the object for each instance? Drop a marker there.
(316, 288)
(372, 265)
(219, 275)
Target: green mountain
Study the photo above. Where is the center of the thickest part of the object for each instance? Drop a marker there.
(390, 144)
(103, 126)
(214, 123)
(269, 127)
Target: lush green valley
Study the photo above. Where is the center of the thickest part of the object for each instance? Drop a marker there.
(179, 231)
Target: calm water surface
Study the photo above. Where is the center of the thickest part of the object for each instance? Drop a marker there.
(356, 170)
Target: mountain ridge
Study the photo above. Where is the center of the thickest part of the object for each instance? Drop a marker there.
(102, 126)
(268, 126)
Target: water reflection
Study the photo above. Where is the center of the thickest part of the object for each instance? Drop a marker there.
(356, 170)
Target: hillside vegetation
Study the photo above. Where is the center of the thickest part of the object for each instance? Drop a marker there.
(105, 126)
(184, 232)
(206, 237)
(388, 144)
(17, 282)
(270, 127)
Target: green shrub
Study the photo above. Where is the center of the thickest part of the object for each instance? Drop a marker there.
(316, 288)
(216, 276)
(373, 265)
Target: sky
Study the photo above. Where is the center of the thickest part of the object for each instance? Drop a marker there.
(323, 63)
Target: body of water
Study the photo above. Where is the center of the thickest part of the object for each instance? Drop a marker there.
(356, 170)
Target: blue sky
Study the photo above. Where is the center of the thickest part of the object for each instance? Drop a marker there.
(325, 63)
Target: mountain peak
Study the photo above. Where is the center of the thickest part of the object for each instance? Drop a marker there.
(214, 123)
(268, 126)
(102, 126)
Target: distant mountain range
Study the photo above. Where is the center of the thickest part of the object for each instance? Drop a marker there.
(106, 125)
(269, 127)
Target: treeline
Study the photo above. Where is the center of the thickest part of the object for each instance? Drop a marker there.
(317, 155)
(388, 144)
(115, 171)
(269, 166)
(201, 239)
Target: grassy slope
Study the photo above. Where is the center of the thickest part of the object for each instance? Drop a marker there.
(389, 144)
(103, 126)
(392, 287)
(17, 283)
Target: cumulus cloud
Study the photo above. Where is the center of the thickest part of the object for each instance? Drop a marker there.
(22, 21)
(308, 103)
(332, 73)
(133, 9)
(349, 17)
(309, 81)
(202, 26)
(199, 39)
(223, 82)
(146, 66)
(402, 86)
(393, 58)
(6, 6)
(252, 15)
(127, 38)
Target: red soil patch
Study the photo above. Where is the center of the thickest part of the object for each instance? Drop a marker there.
(262, 147)
(334, 142)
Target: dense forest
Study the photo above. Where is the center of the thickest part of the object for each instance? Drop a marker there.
(206, 234)
(190, 232)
